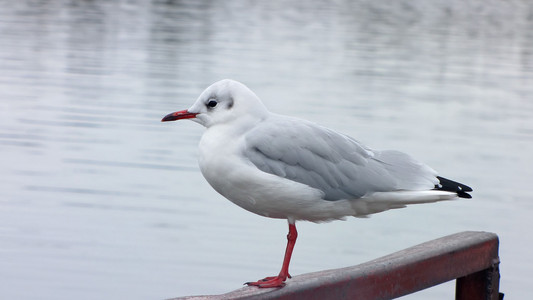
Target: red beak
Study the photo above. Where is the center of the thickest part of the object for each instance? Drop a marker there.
(182, 114)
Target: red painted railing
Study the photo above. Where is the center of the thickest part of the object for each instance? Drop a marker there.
(470, 257)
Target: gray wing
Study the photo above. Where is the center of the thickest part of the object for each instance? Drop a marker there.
(334, 163)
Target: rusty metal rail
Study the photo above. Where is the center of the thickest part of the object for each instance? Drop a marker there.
(470, 257)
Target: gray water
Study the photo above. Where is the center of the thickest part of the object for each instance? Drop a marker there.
(99, 200)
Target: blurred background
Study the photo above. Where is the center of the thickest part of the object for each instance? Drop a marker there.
(99, 200)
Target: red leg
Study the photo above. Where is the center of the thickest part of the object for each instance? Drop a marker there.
(279, 281)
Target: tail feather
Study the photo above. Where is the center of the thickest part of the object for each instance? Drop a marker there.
(453, 186)
(382, 201)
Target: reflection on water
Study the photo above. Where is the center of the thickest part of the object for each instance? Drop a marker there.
(101, 200)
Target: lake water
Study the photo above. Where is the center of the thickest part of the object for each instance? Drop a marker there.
(100, 200)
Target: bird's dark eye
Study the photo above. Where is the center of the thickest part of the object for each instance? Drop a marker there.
(212, 103)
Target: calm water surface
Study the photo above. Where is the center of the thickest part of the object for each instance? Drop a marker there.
(99, 200)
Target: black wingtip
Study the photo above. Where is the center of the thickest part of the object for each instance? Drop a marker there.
(453, 186)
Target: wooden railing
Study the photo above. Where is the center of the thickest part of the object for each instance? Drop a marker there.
(470, 257)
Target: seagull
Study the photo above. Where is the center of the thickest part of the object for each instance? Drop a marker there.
(288, 168)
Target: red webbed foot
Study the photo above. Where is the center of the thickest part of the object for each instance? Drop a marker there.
(270, 282)
(279, 281)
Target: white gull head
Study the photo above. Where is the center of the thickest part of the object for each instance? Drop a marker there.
(224, 101)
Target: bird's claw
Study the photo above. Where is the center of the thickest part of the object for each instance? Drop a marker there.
(269, 282)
